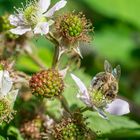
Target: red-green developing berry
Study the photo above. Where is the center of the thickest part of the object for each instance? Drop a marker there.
(47, 83)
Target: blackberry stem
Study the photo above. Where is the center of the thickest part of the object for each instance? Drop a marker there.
(84, 109)
(62, 99)
(64, 103)
(55, 57)
(56, 51)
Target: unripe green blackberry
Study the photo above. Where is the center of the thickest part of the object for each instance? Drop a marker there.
(6, 111)
(47, 83)
(73, 27)
(69, 129)
(5, 26)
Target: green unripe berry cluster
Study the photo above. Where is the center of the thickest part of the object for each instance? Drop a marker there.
(6, 112)
(47, 83)
(5, 26)
(71, 132)
(4, 23)
(72, 25)
(69, 129)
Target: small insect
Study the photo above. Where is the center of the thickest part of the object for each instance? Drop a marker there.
(107, 82)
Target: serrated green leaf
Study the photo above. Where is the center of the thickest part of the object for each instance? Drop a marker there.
(107, 126)
(124, 133)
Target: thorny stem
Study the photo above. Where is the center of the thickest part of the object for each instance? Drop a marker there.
(22, 77)
(36, 60)
(84, 109)
(55, 57)
(56, 51)
(62, 99)
(51, 115)
(64, 103)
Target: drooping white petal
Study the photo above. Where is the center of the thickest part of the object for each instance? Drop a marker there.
(20, 30)
(1, 76)
(16, 19)
(41, 28)
(56, 7)
(6, 83)
(84, 99)
(118, 107)
(81, 86)
(44, 5)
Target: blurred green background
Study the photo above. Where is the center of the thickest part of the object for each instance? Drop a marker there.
(116, 38)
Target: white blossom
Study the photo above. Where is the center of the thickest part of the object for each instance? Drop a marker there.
(6, 85)
(116, 107)
(34, 16)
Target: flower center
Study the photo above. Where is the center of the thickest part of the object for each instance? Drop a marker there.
(98, 98)
(72, 25)
(30, 14)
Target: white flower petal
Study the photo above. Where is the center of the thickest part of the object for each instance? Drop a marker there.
(81, 86)
(41, 28)
(44, 5)
(6, 83)
(118, 107)
(84, 99)
(50, 22)
(12, 95)
(16, 20)
(20, 30)
(56, 7)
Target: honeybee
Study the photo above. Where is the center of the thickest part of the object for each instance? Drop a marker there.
(107, 82)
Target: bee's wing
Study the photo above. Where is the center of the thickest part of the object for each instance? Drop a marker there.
(107, 66)
(117, 72)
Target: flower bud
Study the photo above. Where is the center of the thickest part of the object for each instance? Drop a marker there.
(47, 83)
